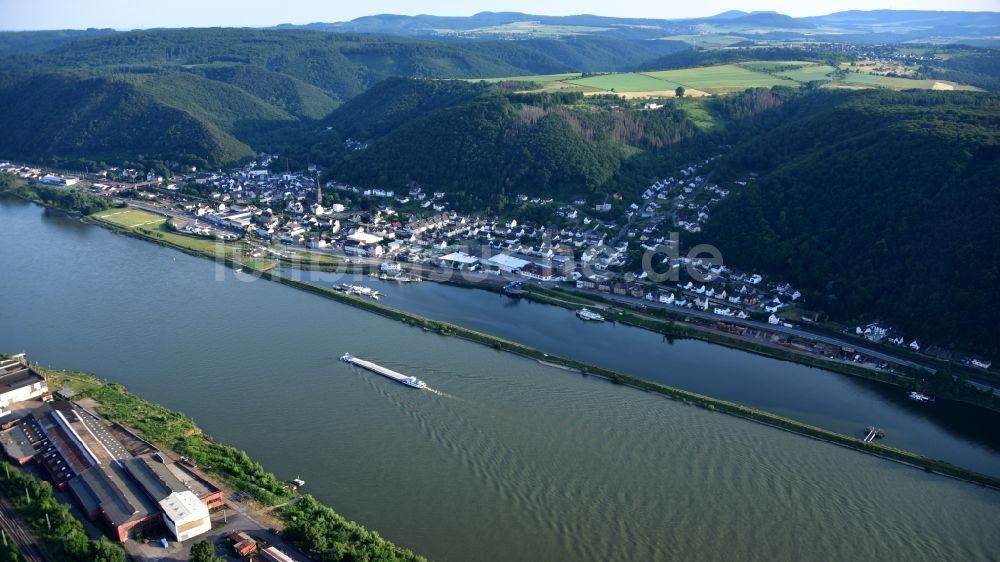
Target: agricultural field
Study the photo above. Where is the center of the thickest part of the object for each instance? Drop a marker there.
(626, 82)
(523, 30)
(809, 73)
(707, 41)
(722, 79)
(774, 66)
(862, 80)
(541, 78)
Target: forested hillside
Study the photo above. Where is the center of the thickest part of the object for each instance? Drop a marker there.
(346, 65)
(77, 119)
(280, 90)
(879, 205)
(21, 42)
(490, 144)
(226, 89)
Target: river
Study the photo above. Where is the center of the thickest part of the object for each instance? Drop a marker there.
(959, 433)
(509, 459)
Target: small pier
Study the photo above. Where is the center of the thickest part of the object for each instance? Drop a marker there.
(872, 433)
(514, 290)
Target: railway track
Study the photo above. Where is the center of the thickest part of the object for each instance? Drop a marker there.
(25, 541)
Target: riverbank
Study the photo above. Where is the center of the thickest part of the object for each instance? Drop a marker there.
(674, 324)
(671, 324)
(309, 525)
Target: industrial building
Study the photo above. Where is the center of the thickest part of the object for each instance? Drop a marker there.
(114, 475)
(19, 382)
(59, 180)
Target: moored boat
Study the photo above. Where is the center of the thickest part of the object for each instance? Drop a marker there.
(589, 315)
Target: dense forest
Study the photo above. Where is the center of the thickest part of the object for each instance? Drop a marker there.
(91, 119)
(489, 145)
(879, 205)
(206, 96)
(979, 67)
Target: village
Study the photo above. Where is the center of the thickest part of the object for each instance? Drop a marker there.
(622, 249)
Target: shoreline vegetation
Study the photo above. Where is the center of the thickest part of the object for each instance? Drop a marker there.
(688, 397)
(309, 525)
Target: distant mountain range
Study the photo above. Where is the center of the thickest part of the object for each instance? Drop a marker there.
(876, 25)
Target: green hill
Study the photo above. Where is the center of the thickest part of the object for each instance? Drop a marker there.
(488, 144)
(220, 104)
(879, 205)
(394, 101)
(345, 65)
(63, 117)
(237, 87)
(280, 90)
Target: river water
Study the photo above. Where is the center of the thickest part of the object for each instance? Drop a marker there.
(508, 459)
(963, 435)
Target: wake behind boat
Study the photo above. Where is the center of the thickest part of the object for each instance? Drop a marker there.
(413, 382)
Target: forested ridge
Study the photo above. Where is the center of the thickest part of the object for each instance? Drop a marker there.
(81, 119)
(879, 205)
(206, 96)
(489, 144)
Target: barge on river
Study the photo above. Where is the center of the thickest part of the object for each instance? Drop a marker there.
(387, 373)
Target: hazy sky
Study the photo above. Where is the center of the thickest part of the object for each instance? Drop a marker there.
(132, 14)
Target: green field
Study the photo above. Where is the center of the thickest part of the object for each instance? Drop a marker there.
(707, 41)
(626, 82)
(774, 66)
(720, 79)
(696, 112)
(860, 79)
(809, 73)
(153, 225)
(540, 78)
(130, 218)
(525, 29)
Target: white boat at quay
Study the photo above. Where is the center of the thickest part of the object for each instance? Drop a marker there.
(360, 290)
(589, 315)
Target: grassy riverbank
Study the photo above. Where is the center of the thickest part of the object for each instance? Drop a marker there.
(311, 526)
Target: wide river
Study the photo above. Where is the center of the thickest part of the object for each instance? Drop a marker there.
(508, 459)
